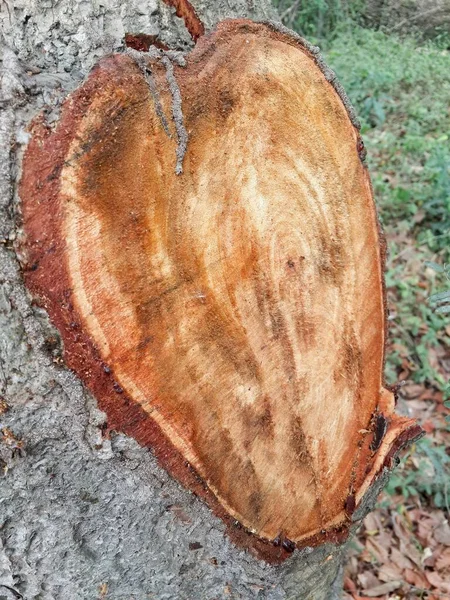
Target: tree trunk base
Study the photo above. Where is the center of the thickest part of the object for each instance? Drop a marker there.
(85, 517)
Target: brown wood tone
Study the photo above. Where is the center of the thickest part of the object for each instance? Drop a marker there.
(231, 316)
(185, 10)
(143, 42)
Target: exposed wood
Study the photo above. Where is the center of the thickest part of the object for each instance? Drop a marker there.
(186, 11)
(230, 316)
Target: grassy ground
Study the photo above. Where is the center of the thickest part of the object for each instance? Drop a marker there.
(401, 89)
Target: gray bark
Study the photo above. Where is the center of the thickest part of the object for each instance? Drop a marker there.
(82, 517)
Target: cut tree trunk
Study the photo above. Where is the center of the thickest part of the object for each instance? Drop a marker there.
(201, 230)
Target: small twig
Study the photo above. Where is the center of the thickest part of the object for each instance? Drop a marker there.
(416, 17)
(3, 379)
(16, 593)
(446, 498)
(405, 250)
(141, 59)
(177, 114)
(425, 591)
(404, 331)
(290, 9)
(8, 8)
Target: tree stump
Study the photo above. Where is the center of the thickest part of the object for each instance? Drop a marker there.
(203, 234)
(201, 230)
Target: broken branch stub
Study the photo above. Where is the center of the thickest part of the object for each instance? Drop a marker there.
(232, 316)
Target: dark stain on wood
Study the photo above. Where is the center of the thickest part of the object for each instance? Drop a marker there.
(379, 431)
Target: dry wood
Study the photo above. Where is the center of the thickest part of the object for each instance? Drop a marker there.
(185, 10)
(209, 249)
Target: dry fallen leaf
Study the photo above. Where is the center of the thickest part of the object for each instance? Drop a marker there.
(179, 514)
(416, 578)
(412, 390)
(377, 550)
(442, 533)
(389, 572)
(368, 580)
(406, 537)
(384, 588)
(400, 559)
(436, 580)
(373, 523)
(349, 585)
(442, 562)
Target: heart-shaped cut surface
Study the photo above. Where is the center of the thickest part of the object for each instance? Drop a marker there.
(223, 298)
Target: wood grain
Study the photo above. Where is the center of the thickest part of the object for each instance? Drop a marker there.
(232, 316)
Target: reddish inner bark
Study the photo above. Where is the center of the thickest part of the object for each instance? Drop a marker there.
(186, 11)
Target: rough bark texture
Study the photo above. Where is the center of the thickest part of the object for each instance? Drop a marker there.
(83, 516)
